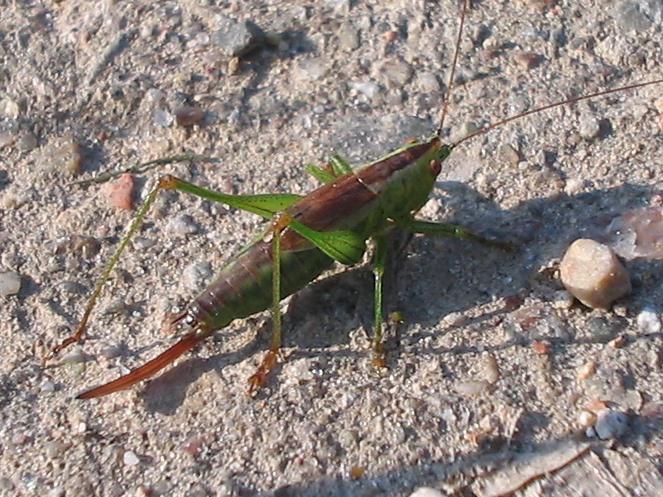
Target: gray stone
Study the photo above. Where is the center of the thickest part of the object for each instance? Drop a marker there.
(237, 38)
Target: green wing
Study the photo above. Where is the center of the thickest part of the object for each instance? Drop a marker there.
(346, 247)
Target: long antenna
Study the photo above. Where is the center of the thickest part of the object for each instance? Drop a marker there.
(445, 105)
(509, 119)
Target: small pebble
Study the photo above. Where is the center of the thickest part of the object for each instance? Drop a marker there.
(58, 492)
(6, 138)
(188, 115)
(610, 424)
(589, 126)
(85, 246)
(586, 418)
(183, 224)
(395, 72)
(652, 411)
(620, 309)
(591, 272)
(237, 38)
(528, 60)
(234, 65)
(6, 484)
(67, 157)
(348, 37)
(9, 108)
(10, 283)
(195, 275)
(120, 192)
(466, 129)
(508, 154)
(357, 472)
(618, 342)
(426, 492)
(75, 356)
(27, 142)
(541, 347)
(471, 388)
(20, 438)
(161, 117)
(574, 186)
(197, 490)
(193, 445)
(602, 329)
(347, 439)
(491, 369)
(310, 70)
(390, 36)
(110, 351)
(562, 300)
(587, 370)
(54, 449)
(370, 89)
(428, 82)
(144, 243)
(648, 321)
(142, 491)
(630, 16)
(638, 233)
(596, 405)
(47, 386)
(130, 458)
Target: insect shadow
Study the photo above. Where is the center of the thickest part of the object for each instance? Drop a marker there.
(435, 277)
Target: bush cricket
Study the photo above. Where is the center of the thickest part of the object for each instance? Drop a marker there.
(306, 235)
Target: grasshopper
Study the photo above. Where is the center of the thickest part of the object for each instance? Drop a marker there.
(305, 236)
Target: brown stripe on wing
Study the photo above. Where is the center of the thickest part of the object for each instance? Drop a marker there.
(326, 207)
(323, 208)
(379, 173)
(145, 371)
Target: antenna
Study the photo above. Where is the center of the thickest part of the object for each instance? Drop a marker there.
(509, 119)
(445, 105)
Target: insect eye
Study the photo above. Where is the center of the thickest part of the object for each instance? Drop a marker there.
(435, 166)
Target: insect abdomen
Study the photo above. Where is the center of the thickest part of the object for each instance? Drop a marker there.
(244, 286)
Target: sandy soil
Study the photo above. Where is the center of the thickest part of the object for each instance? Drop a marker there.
(466, 393)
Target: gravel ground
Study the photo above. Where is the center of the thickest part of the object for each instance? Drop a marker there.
(492, 359)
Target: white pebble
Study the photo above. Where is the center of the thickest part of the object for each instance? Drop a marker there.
(648, 321)
(10, 283)
(47, 386)
(130, 458)
(56, 492)
(562, 300)
(610, 424)
(591, 272)
(426, 492)
(471, 388)
(586, 418)
(196, 274)
(589, 126)
(110, 351)
(368, 88)
(54, 449)
(574, 186)
(491, 369)
(76, 356)
(183, 224)
(428, 82)
(587, 370)
(162, 118)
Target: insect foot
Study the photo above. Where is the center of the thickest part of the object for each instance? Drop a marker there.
(259, 378)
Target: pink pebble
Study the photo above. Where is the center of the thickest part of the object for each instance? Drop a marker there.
(120, 192)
